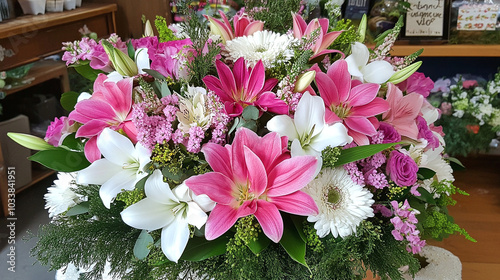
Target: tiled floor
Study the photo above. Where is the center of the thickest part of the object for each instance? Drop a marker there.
(30, 214)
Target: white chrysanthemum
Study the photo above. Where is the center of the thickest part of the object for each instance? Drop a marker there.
(60, 196)
(193, 110)
(342, 204)
(268, 46)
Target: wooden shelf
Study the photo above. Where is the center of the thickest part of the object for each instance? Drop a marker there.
(37, 175)
(446, 50)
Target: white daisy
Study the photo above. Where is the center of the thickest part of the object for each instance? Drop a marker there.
(60, 196)
(342, 203)
(268, 46)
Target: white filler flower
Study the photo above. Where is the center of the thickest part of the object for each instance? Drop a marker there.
(342, 204)
(268, 46)
(60, 197)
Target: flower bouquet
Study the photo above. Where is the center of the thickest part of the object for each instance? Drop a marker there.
(257, 147)
(470, 113)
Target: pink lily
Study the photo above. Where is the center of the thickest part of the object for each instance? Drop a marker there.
(243, 26)
(110, 106)
(325, 38)
(403, 111)
(245, 86)
(351, 102)
(254, 176)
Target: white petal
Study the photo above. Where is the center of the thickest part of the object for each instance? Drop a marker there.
(174, 239)
(195, 215)
(114, 77)
(296, 149)
(360, 54)
(142, 59)
(310, 113)
(284, 126)
(205, 203)
(98, 172)
(377, 72)
(182, 192)
(83, 96)
(116, 147)
(147, 214)
(352, 67)
(123, 180)
(332, 135)
(158, 190)
(143, 155)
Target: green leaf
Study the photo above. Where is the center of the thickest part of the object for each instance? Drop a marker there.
(298, 221)
(235, 125)
(165, 91)
(73, 143)
(78, 209)
(61, 160)
(426, 196)
(87, 72)
(141, 250)
(256, 246)
(425, 173)
(250, 113)
(455, 164)
(250, 124)
(293, 243)
(361, 152)
(130, 50)
(155, 74)
(69, 99)
(198, 248)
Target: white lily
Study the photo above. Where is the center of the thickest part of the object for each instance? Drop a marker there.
(171, 210)
(374, 72)
(120, 169)
(309, 133)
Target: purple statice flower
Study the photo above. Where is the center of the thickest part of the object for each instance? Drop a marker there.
(376, 179)
(404, 223)
(426, 133)
(418, 83)
(401, 168)
(356, 174)
(196, 135)
(391, 135)
(219, 120)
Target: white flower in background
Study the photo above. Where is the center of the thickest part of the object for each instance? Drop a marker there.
(171, 210)
(374, 72)
(342, 204)
(432, 159)
(270, 47)
(193, 110)
(458, 113)
(309, 133)
(120, 169)
(60, 197)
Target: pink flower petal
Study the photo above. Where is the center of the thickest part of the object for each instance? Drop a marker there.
(359, 138)
(226, 78)
(270, 220)
(327, 89)
(363, 94)
(257, 174)
(215, 185)
(95, 109)
(361, 125)
(329, 38)
(298, 203)
(221, 219)
(219, 158)
(255, 81)
(240, 72)
(299, 26)
(291, 175)
(119, 95)
(269, 149)
(339, 74)
(375, 107)
(253, 27)
(267, 101)
(269, 84)
(91, 150)
(91, 128)
(331, 117)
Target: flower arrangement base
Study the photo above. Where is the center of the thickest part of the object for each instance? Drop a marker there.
(33, 7)
(441, 264)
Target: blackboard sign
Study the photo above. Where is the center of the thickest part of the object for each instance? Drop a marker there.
(427, 19)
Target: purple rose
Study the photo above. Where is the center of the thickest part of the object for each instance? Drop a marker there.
(418, 83)
(402, 169)
(391, 135)
(58, 130)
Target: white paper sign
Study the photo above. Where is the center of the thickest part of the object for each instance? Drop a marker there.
(477, 17)
(425, 18)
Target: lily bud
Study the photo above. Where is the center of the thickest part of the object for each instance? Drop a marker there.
(362, 29)
(404, 73)
(30, 141)
(122, 63)
(304, 80)
(148, 29)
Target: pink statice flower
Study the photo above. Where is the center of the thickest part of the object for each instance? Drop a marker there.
(109, 106)
(58, 130)
(351, 102)
(325, 38)
(244, 86)
(402, 168)
(403, 111)
(254, 176)
(171, 58)
(418, 83)
(405, 222)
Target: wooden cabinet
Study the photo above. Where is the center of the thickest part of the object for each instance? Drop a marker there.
(30, 38)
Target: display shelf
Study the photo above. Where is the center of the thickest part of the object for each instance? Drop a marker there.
(37, 175)
(447, 50)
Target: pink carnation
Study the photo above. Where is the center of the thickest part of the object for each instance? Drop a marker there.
(171, 58)
(58, 130)
(418, 83)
